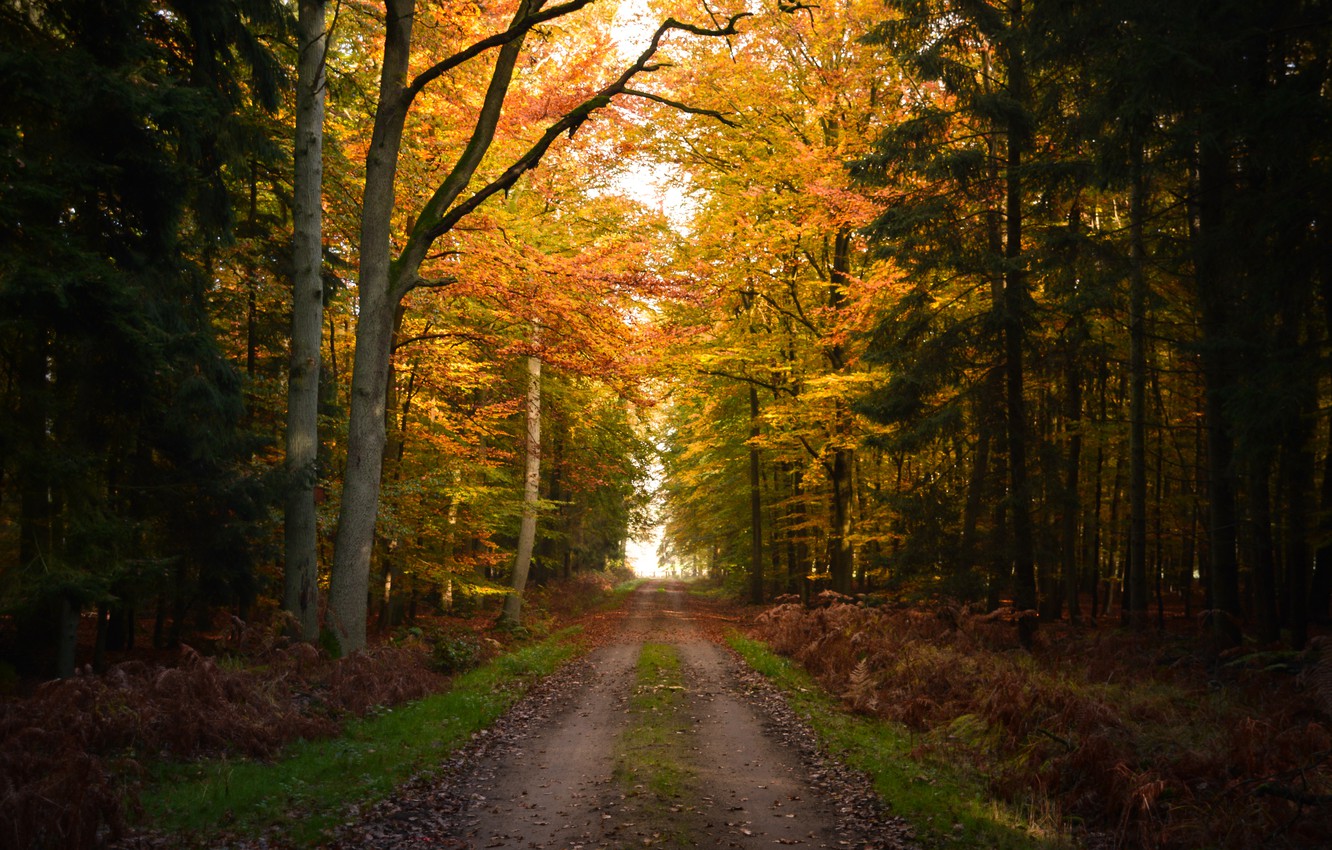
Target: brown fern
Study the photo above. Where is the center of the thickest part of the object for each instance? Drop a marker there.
(861, 692)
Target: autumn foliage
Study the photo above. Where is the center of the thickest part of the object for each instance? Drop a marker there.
(71, 755)
(1142, 738)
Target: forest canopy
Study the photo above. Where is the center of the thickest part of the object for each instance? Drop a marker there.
(1022, 303)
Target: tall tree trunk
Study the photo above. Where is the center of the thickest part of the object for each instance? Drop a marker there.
(35, 532)
(301, 573)
(393, 590)
(1072, 502)
(1015, 306)
(1320, 591)
(1263, 546)
(843, 461)
(1137, 566)
(801, 562)
(755, 503)
(513, 603)
(1214, 290)
(968, 549)
(1298, 482)
(349, 579)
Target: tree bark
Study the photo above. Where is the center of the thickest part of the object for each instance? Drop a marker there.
(513, 603)
(843, 461)
(1137, 566)
(1015, 305)
(755, 503)
(1072, 501)
(301, 573)
(350, 577)
(1214, 290)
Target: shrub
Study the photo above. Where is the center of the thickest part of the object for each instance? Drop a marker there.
(454, 653)
(1135, 735)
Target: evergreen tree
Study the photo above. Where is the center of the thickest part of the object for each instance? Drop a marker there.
(121, 464)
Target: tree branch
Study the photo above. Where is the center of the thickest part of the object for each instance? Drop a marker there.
(570, 123)
(692, 110)
(775, 388)
(456, 336)
(518, 29)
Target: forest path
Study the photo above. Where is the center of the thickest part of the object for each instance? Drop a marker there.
(558, 786)
(600, 756)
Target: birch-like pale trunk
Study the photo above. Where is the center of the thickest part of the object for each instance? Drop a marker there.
(301, 572)
(522, 562)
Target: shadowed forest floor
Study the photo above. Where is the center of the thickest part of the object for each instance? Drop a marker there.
(658, 734)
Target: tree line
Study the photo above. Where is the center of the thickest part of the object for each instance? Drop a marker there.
(1016, 302)
(272, 275)
(334, 306)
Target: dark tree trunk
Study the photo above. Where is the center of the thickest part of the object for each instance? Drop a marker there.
(1014, 312)
(755, 503)
(1215, 288)
(1072, 502)
(1136, 603)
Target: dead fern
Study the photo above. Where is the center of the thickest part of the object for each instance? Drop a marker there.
(861, 694)
(1127, 733)
(67, 753)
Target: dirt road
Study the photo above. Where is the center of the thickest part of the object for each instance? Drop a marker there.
(616, 753)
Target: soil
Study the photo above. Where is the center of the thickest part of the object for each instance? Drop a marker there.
(544, 777)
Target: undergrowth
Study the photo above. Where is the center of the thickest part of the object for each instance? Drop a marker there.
(75, 753)
(71, 754)
(1136, 737)
(313, 785)
(946, 806)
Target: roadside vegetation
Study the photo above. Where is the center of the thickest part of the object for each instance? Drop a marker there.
(265, 733)
(946, 804)
(312, 785)
(1142, 740)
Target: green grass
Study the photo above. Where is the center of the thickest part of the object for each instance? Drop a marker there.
(947, 807)
(651, 764)
(311, 787)
(621, 591)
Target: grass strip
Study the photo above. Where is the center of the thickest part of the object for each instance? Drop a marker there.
(651, 764)
(310, 789)
(947, 808)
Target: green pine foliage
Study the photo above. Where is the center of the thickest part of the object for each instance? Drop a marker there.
(123, 450)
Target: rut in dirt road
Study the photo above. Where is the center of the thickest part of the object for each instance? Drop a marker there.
(658, 739)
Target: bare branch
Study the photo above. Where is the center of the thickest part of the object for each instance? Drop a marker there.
(683, 107)
(453, 336)
(518, 30)
(440, 283)
(775, 388)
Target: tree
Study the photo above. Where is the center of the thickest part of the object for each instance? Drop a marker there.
(301, 572)
(126, 450)
(513, 603)
(385, 281)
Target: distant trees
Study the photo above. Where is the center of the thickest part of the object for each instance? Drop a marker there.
(1092, 331)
